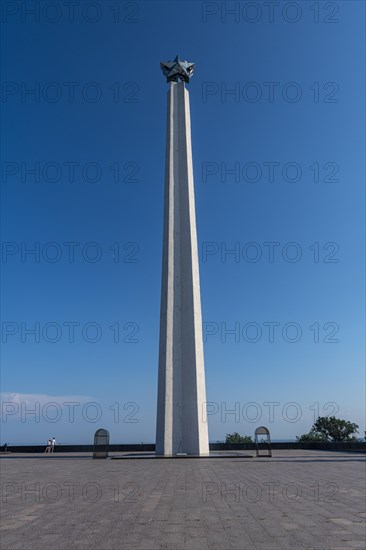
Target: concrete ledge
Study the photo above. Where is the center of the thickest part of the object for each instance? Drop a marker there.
(177, 456)
(353, 447)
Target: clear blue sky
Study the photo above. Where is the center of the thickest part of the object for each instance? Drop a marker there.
(298, 81)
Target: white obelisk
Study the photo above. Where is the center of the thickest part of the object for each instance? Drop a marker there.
(181, 424)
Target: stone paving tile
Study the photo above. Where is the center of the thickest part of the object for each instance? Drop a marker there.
(356, 544)
(285, 543)
(357, 529)
(197, 543)
(298, 500)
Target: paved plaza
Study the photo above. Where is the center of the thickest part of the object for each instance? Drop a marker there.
(296, 499)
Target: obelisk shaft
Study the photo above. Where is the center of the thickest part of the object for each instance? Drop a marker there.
(181, 387)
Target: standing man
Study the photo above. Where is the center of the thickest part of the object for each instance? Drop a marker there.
(53, 444)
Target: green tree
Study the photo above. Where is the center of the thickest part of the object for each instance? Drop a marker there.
(237, 438)
(330, 428)
(336, 429)
(311, 436)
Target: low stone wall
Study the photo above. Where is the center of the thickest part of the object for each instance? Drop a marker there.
(339, 446)
(353, 447)
(78, 448)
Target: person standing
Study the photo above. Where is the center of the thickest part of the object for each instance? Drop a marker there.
(49, 446)
(53, 443)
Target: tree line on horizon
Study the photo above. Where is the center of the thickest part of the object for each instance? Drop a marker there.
(325, 429)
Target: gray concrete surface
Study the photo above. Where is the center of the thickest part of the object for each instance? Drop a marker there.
(297, 499)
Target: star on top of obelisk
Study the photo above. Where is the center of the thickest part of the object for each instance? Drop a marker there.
(177, 70)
